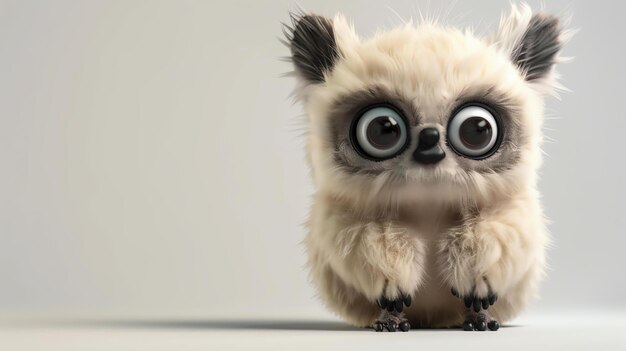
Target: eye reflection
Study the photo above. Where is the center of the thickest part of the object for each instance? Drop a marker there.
(475, 133)
(383, 132)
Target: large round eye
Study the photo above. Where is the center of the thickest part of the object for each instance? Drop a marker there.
(473, 132)
(380, 133)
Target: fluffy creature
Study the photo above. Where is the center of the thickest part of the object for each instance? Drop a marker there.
(424, 143)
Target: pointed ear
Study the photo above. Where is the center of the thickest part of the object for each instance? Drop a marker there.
(313, 45)
(533, 42)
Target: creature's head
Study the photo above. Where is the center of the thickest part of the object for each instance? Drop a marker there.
(425, 112)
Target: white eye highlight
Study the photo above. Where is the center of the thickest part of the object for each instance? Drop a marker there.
(380, 133)
(473, 132)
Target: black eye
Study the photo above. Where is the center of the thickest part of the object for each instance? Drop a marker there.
(380, 133)
(473, 132)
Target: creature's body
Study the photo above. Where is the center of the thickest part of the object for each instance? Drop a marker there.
(424, 143)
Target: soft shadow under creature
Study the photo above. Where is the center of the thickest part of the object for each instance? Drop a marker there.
(217, 324)
(201, 324)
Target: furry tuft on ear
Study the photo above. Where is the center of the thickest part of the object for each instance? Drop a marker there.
(533, 42)
(313, 45)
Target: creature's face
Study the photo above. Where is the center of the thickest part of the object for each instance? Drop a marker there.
(425, 112)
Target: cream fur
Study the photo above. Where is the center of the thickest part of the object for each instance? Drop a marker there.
(371, 236)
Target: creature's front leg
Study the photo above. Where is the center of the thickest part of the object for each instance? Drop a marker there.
(388, 262)
(383, 261)
(485, 256)
(398, 256)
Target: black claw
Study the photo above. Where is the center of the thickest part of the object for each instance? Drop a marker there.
(468, 301)
(383, 302)
(378, 326)
(399, 304)
(405, 326)
(493, 298)
(454, 292)
(477, 304)
(390, 307)
(407, 300)
(485, 303)
(468, 326)
(392, 326)
(493, 325)
(481, 326)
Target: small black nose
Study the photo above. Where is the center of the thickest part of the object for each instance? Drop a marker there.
(429, 137)
(428, 150)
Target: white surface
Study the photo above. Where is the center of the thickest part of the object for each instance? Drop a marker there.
(597, 331)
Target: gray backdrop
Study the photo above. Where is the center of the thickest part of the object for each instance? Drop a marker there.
(151, 161)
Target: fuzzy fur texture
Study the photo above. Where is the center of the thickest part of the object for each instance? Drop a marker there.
(383, 229)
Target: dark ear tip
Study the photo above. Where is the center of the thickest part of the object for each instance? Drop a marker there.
(304, 24)
(547, 17)
(547, 21)
(300, 20)
(297, 17)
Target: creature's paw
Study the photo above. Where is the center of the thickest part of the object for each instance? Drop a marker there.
(394, 304)
(477, 300)
(480, 321)
(392, 323)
